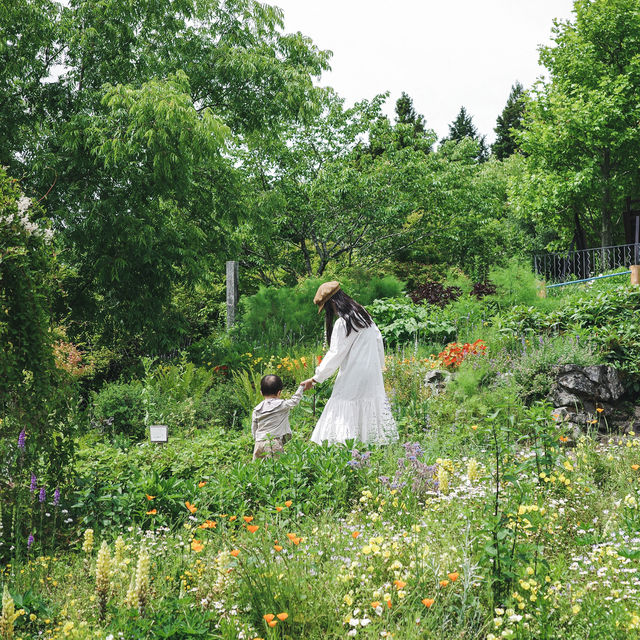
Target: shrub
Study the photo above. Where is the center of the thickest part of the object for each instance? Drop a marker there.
(435, 293)
(118, 408)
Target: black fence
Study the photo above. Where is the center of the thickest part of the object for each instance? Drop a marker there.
(587, 263)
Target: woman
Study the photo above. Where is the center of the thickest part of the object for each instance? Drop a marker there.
(358, 407)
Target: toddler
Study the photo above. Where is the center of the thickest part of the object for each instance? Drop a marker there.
(270, 419)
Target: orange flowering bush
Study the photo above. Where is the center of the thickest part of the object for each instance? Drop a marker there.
(454, 353)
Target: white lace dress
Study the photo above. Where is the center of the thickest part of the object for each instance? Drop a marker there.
(358, 407)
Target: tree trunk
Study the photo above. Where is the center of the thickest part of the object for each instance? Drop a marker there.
(579, 236)
(607, 201)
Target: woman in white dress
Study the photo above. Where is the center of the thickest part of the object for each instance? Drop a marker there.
(358, 407)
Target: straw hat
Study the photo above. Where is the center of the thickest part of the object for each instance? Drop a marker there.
(324, 293)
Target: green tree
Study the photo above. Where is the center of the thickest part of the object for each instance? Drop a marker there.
(134, 142)
(462, 127)
(581, 128)
(509, 121)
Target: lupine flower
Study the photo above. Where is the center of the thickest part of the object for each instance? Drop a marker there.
(42, 495)
(8, 616)
(21, 440)
(30, 540)
(142, 580)
(34, 483)
(56, 497)
(87, 545)
(103, 578)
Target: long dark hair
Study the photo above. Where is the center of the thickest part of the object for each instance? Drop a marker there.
(355, 315)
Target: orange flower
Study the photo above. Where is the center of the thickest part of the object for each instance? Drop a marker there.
(247, 519)
(355, 534)
(453, 576)
(564, 439)
(152, 512)
(474, 427)
(296, 541)
(252, 528)
(190, 507)
(427, 602)
(201, 484)
(232, 518)
(277, 547)
(599, 409)
(235, 552)
(389, 604)
(291, 536)
(399, 584)
(149, 497)
(288, 503)
(282, 616)
(375, 604)
(278, 509)
(273, 623)
(196, 545)
(635, 467)
(208, 524)
(268, 617)
(444, 583)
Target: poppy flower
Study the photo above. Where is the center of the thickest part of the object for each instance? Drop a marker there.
(278, 509)
(235, 552)
(291, 536)
(400, 584)
(389, 604)
(635, 467)
(268, 617)
(444, 583)
(273, 623)
(277, 547)
(288, 503)
(375, 604)
(208, 524)
(252, 528)
(197, 546)
(564, 439)
(355, 534)
(190, 507)
(282, 616)
(453, 576)
(149, 497)
(247, 519)
(427, 602)
(201, 484)
(599, 409)
(152, 512)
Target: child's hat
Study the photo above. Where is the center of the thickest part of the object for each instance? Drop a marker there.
(324, 293)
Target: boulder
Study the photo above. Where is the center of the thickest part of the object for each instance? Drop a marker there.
(436, 380)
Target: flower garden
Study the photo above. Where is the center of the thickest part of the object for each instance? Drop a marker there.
(489, 519)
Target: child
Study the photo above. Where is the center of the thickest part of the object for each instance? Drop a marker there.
(270, 419)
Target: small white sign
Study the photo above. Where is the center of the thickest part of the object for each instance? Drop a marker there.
(158, 432)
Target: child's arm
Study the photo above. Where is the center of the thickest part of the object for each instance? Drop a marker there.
(294, 400)
(254, 424)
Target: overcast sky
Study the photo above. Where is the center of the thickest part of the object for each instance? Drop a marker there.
(444, 54)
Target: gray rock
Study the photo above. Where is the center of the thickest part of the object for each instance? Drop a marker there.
(436, 380)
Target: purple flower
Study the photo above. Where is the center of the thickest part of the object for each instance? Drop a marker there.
(43, 494)
(34, 483)
(56, 497)
(30, 540)
(21, 440)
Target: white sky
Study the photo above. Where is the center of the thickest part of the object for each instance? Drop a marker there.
(444, 54)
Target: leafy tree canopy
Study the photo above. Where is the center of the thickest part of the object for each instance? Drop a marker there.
(509, 121)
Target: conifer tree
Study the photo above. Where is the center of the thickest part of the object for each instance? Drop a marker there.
(509, 121)
(462, 127)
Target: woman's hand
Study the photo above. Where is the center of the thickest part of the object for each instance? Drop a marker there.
(307, 384)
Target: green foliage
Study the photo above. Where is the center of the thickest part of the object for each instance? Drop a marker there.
(509, 121)
(516, 284)
(118, 408)
(401, 321)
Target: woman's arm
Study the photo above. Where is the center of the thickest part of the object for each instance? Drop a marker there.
(340, 345)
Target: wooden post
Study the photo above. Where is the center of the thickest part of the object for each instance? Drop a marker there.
(232, 292)
(635, 274)
(542, 289)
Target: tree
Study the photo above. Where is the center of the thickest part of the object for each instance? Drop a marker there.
(462, 127)
(509, 121)
(134, 143)
(581, 128)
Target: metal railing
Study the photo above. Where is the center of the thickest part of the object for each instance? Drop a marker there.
(584, 264)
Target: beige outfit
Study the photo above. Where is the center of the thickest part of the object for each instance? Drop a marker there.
(270, 424)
